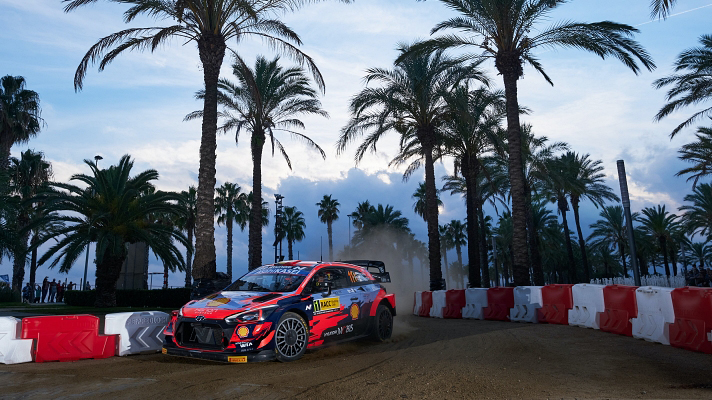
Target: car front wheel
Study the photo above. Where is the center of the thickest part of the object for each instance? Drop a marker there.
(383, 324)
(290, 337)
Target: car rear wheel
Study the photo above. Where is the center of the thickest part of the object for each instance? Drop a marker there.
(383, 324)
(290, 337)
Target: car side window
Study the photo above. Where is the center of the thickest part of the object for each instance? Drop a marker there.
(338, 277)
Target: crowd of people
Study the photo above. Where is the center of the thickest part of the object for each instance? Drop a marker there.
(699, 277)
(52, 292)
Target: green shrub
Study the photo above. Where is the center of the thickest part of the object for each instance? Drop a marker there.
(8, 296)
(164, 298)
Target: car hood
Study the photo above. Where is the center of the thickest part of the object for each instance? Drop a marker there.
(223, 304)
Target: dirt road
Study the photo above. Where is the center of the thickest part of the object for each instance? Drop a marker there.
(427, 358)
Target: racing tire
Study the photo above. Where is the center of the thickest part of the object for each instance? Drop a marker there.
(291, 337)
(383, 324)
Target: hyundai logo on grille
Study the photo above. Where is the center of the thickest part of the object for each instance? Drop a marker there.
(200, 318)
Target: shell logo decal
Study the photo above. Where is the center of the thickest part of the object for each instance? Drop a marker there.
(354, 311)
(218, 302)
(242, 332)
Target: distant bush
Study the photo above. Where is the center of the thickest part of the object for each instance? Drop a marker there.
(164, 298)
(8, 296)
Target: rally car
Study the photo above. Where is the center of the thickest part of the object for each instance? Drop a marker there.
(278, 311)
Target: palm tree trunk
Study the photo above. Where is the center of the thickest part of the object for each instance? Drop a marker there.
(19, 255)
(107, 274)
(483, 246)
(211, 49)
(427, 140)
(5, 147)
(470, 170)
(673, 260)
(254, 250)
(189, 259)
(663, 249)
(229, 247)
(582, 243)
(622, 251)
(331, 243)
(447, 266)
(289, 247)
(534, 242)
(569, 249)
(509, 65)
(33, 261)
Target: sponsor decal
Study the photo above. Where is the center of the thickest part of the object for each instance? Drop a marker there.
(339, 330)
(308, 307)
(164, 350)
(212, 296)
(244, 345)
(354, 311)
(326, 305)
(218, 302)
(242, 332)
(237, 359)
(282, 270)
(200, 318)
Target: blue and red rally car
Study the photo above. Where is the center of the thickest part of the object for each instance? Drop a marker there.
(279, 311)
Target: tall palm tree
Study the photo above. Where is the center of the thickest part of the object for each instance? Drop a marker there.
(211, 25)
(29, 175)
(293, 224)
(410, 102)
(363, 209)
(186, 222)
(505, 29)
(445, 244)
(229, 201)
(610, 231)
(19, 115)
(699, 153)
(691, 83)
(419, 206)
(328, 213)
(589, 174)
(113, 209)
(456, 232)
(267, 100)
(698, 216)
(701, 253)
(660, 225)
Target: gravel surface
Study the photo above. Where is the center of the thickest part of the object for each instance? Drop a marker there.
(427, 358)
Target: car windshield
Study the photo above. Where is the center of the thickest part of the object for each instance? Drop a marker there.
(267, 282)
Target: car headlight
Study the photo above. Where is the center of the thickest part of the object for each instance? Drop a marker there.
(256, 315)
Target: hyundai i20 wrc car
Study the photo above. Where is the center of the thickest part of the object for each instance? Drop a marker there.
(279, 311)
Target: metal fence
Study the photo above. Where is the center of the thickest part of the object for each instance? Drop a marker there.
(662, 281)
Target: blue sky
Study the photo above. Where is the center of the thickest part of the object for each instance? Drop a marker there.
(137, 104)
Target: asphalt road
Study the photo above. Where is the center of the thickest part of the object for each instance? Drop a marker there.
(427, 358)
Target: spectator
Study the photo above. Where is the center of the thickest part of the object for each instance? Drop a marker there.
(87, 286)
(60, 292)
(38, 293)
(71, 285)
(45, 288)
(27, 293)
(53, 291)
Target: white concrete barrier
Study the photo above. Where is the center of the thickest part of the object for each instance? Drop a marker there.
(655, 314)
(436, 311)
(417, 303)
(527, 299)
(475, 301)
(588, 302)
(139, 332)
(13, 350)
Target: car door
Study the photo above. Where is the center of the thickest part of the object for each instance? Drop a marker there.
(361, 298)
(331, 320)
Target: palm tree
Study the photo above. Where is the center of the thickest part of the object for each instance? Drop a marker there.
(19, 115)
(659, 224)
(610, 231)
(690, 84)
(701, 253)
(229, 201)
(419, 206)
(588, 173)
(112, 209)
(697, 217)
(445, 244)
(187, 223)
(29, 175)
(363, 209)
(699, 153)
(457, 236)
(211, 24)
(328, 213)
(266, 101)
(409, 102)
(504, 27)
(661, 8)
(293, 224)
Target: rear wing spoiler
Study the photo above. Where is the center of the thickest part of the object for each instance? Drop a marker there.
(376, 268)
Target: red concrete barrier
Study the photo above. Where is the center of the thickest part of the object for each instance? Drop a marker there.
(693, 319)
(557, 300)
(427, 304)
(499, 301)
(454, 303)
(67, 338)
(620, 307)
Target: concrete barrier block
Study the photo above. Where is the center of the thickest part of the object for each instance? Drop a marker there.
(439, 303)
(139, 332)
(588, 302)
(527, 299)
(655, 314)
(13, 350)
(417, 303)
(475, 302)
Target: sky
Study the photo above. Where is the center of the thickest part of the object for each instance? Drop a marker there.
(137, 104)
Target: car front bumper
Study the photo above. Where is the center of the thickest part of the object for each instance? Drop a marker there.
(228, 357)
